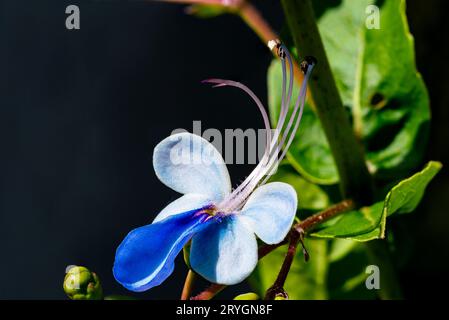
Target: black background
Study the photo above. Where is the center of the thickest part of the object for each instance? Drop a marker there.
(81, 111)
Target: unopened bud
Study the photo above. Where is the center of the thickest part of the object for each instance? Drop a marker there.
(82, 284)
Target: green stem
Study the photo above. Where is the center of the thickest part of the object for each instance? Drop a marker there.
(355, 180)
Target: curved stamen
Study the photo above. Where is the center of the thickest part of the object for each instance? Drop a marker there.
(282, 52)
(301, 100)
(273, 162)
(266, 120)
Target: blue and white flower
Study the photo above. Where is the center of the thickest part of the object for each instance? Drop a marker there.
(222, 224)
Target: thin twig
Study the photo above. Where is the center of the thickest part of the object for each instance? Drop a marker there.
(277, 289)
(210, 292)
(188, 285)
(311, 222)
(252, 17)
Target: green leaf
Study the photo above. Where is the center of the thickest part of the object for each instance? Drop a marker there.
(355, 223)
(311, 196)
(309, 153)
(376, 75)
(406, 195)
(369, 223)
(340, 248)
(347, 266)
(306, 280)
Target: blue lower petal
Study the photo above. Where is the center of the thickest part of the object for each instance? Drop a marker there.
(225, 252)
(146, 256)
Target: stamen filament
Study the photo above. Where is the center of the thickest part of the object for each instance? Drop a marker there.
(266, 119)
(266, 159)
(301, 100)
(271, 158)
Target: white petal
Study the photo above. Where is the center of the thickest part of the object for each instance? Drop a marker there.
(185, 203)
(270, 211)
(225, 252)
(188, 163)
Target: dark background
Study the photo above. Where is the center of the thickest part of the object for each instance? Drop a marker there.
(81, 111)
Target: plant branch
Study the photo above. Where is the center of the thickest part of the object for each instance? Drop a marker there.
(251, 16)
(355, 180)
(188, 285)
(210, 292)
(311, 222)
(277, 289)
(295, 235)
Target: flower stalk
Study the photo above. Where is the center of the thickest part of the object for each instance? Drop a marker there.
(188, 285)
(277, 289)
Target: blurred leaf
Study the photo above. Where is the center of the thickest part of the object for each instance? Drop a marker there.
(369, 223)
(377, 79)
(340, 248)
(376, 75)
(305, 281)
(207, 11)
(401, 242)
(311, 196)
(346, 276)
(309, 153)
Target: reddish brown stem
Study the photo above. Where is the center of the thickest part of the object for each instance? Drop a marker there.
(311, 222)
(210, 292)
(277, 289)
(188, 285)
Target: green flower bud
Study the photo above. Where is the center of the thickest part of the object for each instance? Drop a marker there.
(280, 298)
(247, 296)
(82, 284)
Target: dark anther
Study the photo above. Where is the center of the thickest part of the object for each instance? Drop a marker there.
(308, 60)
(281, 52)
